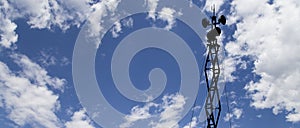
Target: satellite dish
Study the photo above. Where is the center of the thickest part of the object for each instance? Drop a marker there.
(205, 22)
(222, 20)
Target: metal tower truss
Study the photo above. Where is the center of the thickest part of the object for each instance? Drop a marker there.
(212, 70)
(212, 73)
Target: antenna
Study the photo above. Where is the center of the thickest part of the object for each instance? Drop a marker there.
(212, 67)
(214, 10)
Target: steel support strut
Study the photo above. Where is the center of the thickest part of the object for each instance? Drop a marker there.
(212, 72)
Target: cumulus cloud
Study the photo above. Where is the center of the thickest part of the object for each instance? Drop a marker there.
(49, 14)
(36, 73)
(117, 28)
(95, 22)
(168, 111)
(172, 107)
(138, 113)
(167, 14)
(128, 22)
(152, 5)
(236, 114)
(228, 66)
(25, 94)
(28, 97)
(268, 36)
(40, 14)
(7, 32)
(79, 120)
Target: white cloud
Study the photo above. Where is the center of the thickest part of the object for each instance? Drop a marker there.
(152, 5)
(8, 35)
(95, 22)
(192, 124)
(50, 14)
(38, 14)
(128, 22)
(35, 73)
(236, 114)
(116, 29)
(269, 36)
(167, 14)
(259, 116)
(79, 120)
(64, 61)
(138, 113)
(48, 58)
(228, 67)
(213, 3)
(168, 111)
(172, 107)
(25, 95)
(228, 116)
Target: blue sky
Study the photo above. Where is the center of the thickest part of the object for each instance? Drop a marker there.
(42, 47)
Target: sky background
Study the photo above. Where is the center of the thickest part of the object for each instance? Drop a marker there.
(260, 63)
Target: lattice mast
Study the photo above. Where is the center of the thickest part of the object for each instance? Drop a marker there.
(212, 70)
